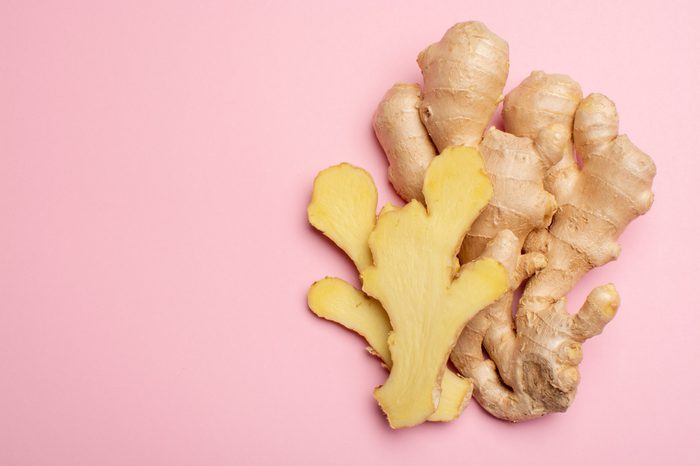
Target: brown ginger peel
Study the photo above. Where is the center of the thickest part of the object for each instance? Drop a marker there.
(464, 75)
(404, 139)
(549, 221)
(463, 79)
(531, 369)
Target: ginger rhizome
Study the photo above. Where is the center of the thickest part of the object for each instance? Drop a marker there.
(422, 290)
(397, 119)
(464, 75)
(531, 367)
(534, 368)
(530, 215)
(463, 79)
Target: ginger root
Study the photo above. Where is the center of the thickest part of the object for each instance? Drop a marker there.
(516, 167)
(539, 101)
(397, 119)
(464, 75)
(343, 207)
(529, 214)
(538, 370)
(531, 369)
(596, 203)
(497, 380)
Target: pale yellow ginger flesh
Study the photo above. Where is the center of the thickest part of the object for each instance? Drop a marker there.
(338, 301)
(343, 208)
(413, 276)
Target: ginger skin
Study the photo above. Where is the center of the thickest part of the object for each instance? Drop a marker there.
(539, 101)
(532, 364)
(463, 79)
(516, 167)
(397, 119)
(596, 204)
(464, 75)
(497, 378)
(533, 369)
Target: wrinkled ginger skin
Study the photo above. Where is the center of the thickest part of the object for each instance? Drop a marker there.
(492, 330)
(516, 167)
(404, 139)
(464, 75)
(532, 364)
(612, 189)
(596, 203)
(540, 101)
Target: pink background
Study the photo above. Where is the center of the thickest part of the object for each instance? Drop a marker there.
(156, 159)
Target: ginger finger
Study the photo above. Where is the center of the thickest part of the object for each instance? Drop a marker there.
(596, 204)
(404, 139)
(464, 75)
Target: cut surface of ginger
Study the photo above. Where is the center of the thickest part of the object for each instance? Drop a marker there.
(413, 277)
(343, 208)
(336, 300)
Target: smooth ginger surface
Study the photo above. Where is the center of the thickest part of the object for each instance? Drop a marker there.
(413, 276)
(338, 301)
(343, 207)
